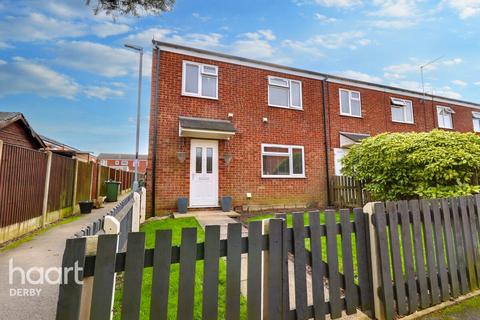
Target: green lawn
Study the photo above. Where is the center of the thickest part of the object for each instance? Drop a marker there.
(324, 239)
(176, 226)
(468, 309)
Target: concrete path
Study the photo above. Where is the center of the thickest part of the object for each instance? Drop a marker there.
(44, 251)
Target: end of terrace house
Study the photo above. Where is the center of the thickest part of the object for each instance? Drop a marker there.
(267, 134)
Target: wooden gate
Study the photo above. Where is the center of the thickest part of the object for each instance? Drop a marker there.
(323, 251)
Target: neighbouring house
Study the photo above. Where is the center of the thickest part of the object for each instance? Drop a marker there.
(123, 161)
(68, 151)
(267, 134)
(15, 130)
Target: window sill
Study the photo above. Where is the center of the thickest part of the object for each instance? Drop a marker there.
(403, 122)
(350, 116)
(283, 107)
(284, 177)
(198, 96)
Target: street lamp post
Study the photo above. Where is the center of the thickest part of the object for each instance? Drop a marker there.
(140, 51)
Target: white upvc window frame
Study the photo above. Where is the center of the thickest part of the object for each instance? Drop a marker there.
(476, 119)
(402, 103)
(441, 124)
(201, 71)
(350, 98)
(289, 86)
(290, 154)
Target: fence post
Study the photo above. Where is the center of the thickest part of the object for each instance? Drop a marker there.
(375, 266)
(86, 300)
(46, 187)
(265, 258)
(91, 180)
(99, 175)
(75, 187)
(136, 212)
(143, 205)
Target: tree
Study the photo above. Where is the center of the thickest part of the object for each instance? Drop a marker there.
(131, 7)
(434, 164)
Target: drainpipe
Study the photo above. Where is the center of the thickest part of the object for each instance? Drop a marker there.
(155, 131)
(325, 136)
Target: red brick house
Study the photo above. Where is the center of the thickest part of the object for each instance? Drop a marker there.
(222, 125)
(15, 130)
(123, 161)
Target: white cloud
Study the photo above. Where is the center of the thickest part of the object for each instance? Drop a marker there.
(396, 9)
(100, 59)
(254, 45)
(324, 19)
(303, 48)
(393, 76)
(477, 83)
(102, 93)
(108, 29)
(200, 17)
(460, 83)
(444, 91)
(36, 26)
(24, 76)
(351, 74)
(465, 8)
(393, 24)
(4, 45)
(198, 40)
(339, 3)
(415, 65)
(350, 39)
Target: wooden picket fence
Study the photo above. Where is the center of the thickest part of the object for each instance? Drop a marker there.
(347, 192)
(347, 291)
(432, 247)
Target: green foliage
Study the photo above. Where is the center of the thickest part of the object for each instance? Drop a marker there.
(434, 164)
(131, 7)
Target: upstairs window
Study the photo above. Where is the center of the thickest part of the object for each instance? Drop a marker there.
(280, 161)
(284, 93)
(402, 110)
(200, 80)
(350, 104)
(476, 121)
(444, 116)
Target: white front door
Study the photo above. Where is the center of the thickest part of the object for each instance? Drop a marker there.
(204, 173)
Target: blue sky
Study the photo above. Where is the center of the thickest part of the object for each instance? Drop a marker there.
(66, 70)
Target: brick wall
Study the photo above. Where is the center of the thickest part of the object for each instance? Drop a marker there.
(243, 92)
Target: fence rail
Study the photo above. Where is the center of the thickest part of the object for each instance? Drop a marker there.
(333, 238)
(348, 192)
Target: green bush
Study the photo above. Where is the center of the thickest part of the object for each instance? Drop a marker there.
(434, 164)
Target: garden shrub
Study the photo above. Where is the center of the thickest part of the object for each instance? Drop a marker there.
(434, 164)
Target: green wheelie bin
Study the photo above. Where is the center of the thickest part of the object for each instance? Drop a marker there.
(112, 190)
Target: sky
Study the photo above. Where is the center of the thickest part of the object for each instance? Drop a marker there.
(66, 69)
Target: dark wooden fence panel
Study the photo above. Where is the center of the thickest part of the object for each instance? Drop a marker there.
(84, 180)
(434, 249)
(279, 245)
(104, 176)
(347, 192)
(22, 184)
(62, 176)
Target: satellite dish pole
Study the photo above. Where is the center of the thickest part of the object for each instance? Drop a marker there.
(421, 73)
